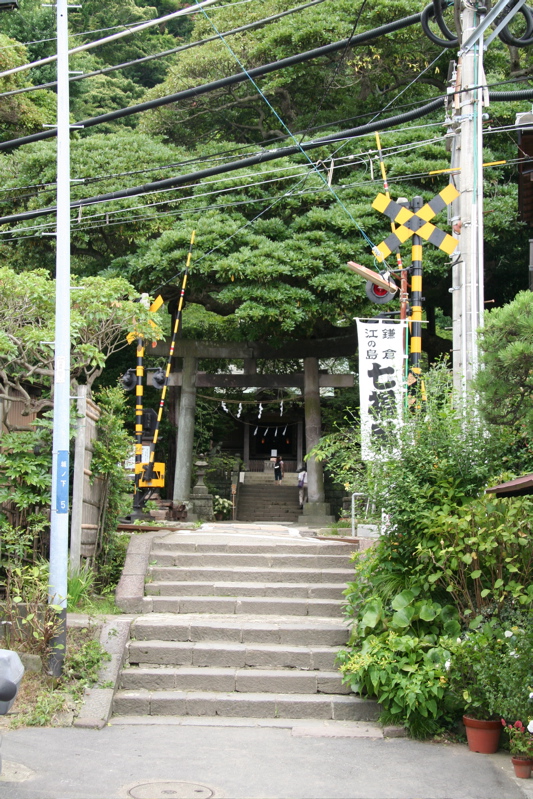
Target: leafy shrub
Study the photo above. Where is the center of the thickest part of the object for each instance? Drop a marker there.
(399, 651)
(447, 458)
(406, 673)
(481, 554)
(29, 622)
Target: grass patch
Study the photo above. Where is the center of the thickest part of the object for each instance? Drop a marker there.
(44, 701)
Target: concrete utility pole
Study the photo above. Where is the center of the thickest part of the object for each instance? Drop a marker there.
(57, 592)
(467, 275)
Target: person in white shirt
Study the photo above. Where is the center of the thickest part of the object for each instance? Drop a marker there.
(302, 486)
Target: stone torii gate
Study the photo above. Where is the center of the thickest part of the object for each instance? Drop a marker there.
(316, 510)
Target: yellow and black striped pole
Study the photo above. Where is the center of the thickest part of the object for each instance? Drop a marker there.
(139, 389)
(416, 296)
(399, 265)
(177, 323)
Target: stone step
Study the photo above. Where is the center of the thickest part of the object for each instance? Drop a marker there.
(268, 486)
(244, 705)
(285, 518)
(256, 560)
(276, 498)
(264, 606)
(307, 631)
(183, 588)
(228, 680)
(268, 508)
(302, 546)
(250, 574)
(235, 655)
(253, 479)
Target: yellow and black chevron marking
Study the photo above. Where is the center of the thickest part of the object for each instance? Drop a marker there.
(410, 223)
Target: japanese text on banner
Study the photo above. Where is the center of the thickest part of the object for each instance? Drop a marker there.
(381, 386)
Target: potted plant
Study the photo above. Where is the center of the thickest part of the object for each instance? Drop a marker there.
(474, 682)
(222, 508)
(520, 746)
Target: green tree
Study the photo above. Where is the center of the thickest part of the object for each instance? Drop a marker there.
(25, 113)
(103, 312)
(505, 380)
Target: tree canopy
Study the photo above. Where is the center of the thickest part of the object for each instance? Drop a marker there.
(272, 240)
(103, 312)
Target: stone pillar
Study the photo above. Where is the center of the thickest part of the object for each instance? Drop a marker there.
(316, 512)
(250, 368)
(184, 449)
(201, 506)
(174, 397)
(246, 449)
(299, 445)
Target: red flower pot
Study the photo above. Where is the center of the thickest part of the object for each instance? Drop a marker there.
(522, 766)
(482, 735)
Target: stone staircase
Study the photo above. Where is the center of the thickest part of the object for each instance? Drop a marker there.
(260, 499)
(243, 629)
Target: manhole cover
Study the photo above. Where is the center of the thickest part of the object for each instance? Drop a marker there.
(170, 790)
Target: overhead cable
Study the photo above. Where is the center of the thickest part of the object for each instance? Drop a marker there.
(88, 45)
(259, 158)
(263, 157)
(231, 80)
(164, 53)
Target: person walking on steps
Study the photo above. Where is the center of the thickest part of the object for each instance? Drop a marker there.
(302, 486)
(279, 470)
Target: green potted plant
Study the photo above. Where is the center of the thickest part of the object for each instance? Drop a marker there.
(520, 746)
(222, 508)
(475, 681)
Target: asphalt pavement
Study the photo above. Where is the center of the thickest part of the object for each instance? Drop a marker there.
(209, 759)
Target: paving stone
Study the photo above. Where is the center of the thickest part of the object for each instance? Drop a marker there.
(272, 681)
(211, 632)
(324, 607)
(168, 703)
(207, 679)
(331, 683)
(148, 679)
(171, 653)
(202, 604)
(324, 658)
(318, 635)
(260, 634)
(347, 708)
(218, 654)
(304, 707)
(278, 656)
(131, 703)
(176, 589)
(149, 628)
(327, 591)
(272, 606)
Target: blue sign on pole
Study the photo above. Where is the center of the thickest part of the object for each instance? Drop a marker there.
(62, 481)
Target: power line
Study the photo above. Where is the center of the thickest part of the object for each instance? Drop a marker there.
(223, 82)
(394, 149)
(264, 157)
(184, 212)
(88, 45)
(163, 53)
(242, 163)
(281, 121)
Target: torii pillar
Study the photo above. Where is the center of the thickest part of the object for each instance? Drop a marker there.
(316, 512)
(184, 448)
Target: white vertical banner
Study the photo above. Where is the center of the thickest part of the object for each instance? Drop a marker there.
(381, 386)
